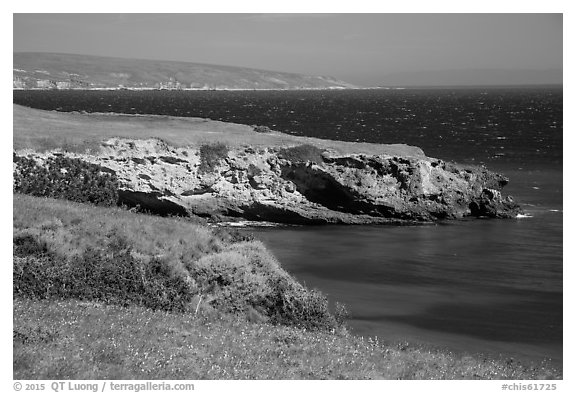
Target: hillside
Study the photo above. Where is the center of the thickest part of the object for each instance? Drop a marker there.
(65, 71)
(105, 293)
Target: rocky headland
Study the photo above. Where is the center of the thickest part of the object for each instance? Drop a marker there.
(228, 172)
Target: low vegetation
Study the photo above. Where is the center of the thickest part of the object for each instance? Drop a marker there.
(70, 144)
(48, 130)
(65, 178)
(262, 129)
(104, 293)
(64, 250)
(211, 155)
(74, 339)
(302, 153)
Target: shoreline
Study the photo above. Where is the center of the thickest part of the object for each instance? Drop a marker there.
(440, 87)
(327, 354)
(210, 89)
(74, 127)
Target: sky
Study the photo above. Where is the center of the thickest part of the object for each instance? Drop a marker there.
(370, 49)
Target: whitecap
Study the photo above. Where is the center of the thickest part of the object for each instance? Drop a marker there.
(524, 216)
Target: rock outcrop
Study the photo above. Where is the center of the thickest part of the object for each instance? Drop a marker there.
(266, 184)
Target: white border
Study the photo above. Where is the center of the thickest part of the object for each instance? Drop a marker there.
(358, 6)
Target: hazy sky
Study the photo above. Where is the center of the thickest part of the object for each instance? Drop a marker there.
(367, 49)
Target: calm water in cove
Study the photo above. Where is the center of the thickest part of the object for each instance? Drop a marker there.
(477, 286)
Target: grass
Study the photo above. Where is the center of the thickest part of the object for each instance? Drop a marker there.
(48, 130)
(64, 250)
(84, 340)
(69, 229)
(217, 306)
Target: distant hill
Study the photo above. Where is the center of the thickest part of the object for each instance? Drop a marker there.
(66, 71)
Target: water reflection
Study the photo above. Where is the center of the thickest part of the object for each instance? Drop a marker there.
(474, 286)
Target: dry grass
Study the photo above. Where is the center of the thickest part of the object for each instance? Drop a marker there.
(68, 250)
(254, 321)
(44, 130)
(81, 340)
(71, 228)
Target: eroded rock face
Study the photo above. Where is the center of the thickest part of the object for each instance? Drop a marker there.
(256, 184)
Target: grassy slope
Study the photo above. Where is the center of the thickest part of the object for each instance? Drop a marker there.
(70, 228)
(70, 250)
(41, 130)
(71, 339)
(112, 72)
(81, 340)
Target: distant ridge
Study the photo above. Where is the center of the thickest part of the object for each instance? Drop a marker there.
(69, 71)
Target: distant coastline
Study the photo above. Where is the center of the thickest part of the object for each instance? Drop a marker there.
(335, 88)
(57, 71)
(201, 89)
(69, 71)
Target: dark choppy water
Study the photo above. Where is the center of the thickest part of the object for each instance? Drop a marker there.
(475, 286)
(473, 125)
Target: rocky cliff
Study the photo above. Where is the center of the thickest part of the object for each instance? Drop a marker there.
(298, 183)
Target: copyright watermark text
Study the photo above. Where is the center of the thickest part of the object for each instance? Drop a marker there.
(102, 386)
(528, 386)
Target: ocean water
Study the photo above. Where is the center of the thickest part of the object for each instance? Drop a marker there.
(491, 287)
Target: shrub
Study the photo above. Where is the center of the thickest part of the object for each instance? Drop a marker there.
(253, 170)
(165, 288)
(65, 178)
(294, 305)
(231, 235)
(302, 153)
(262, 129)
(231, 282)
(211, 155)
(69, 250)
(245, 279)
(25, 245)
(110, 275)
